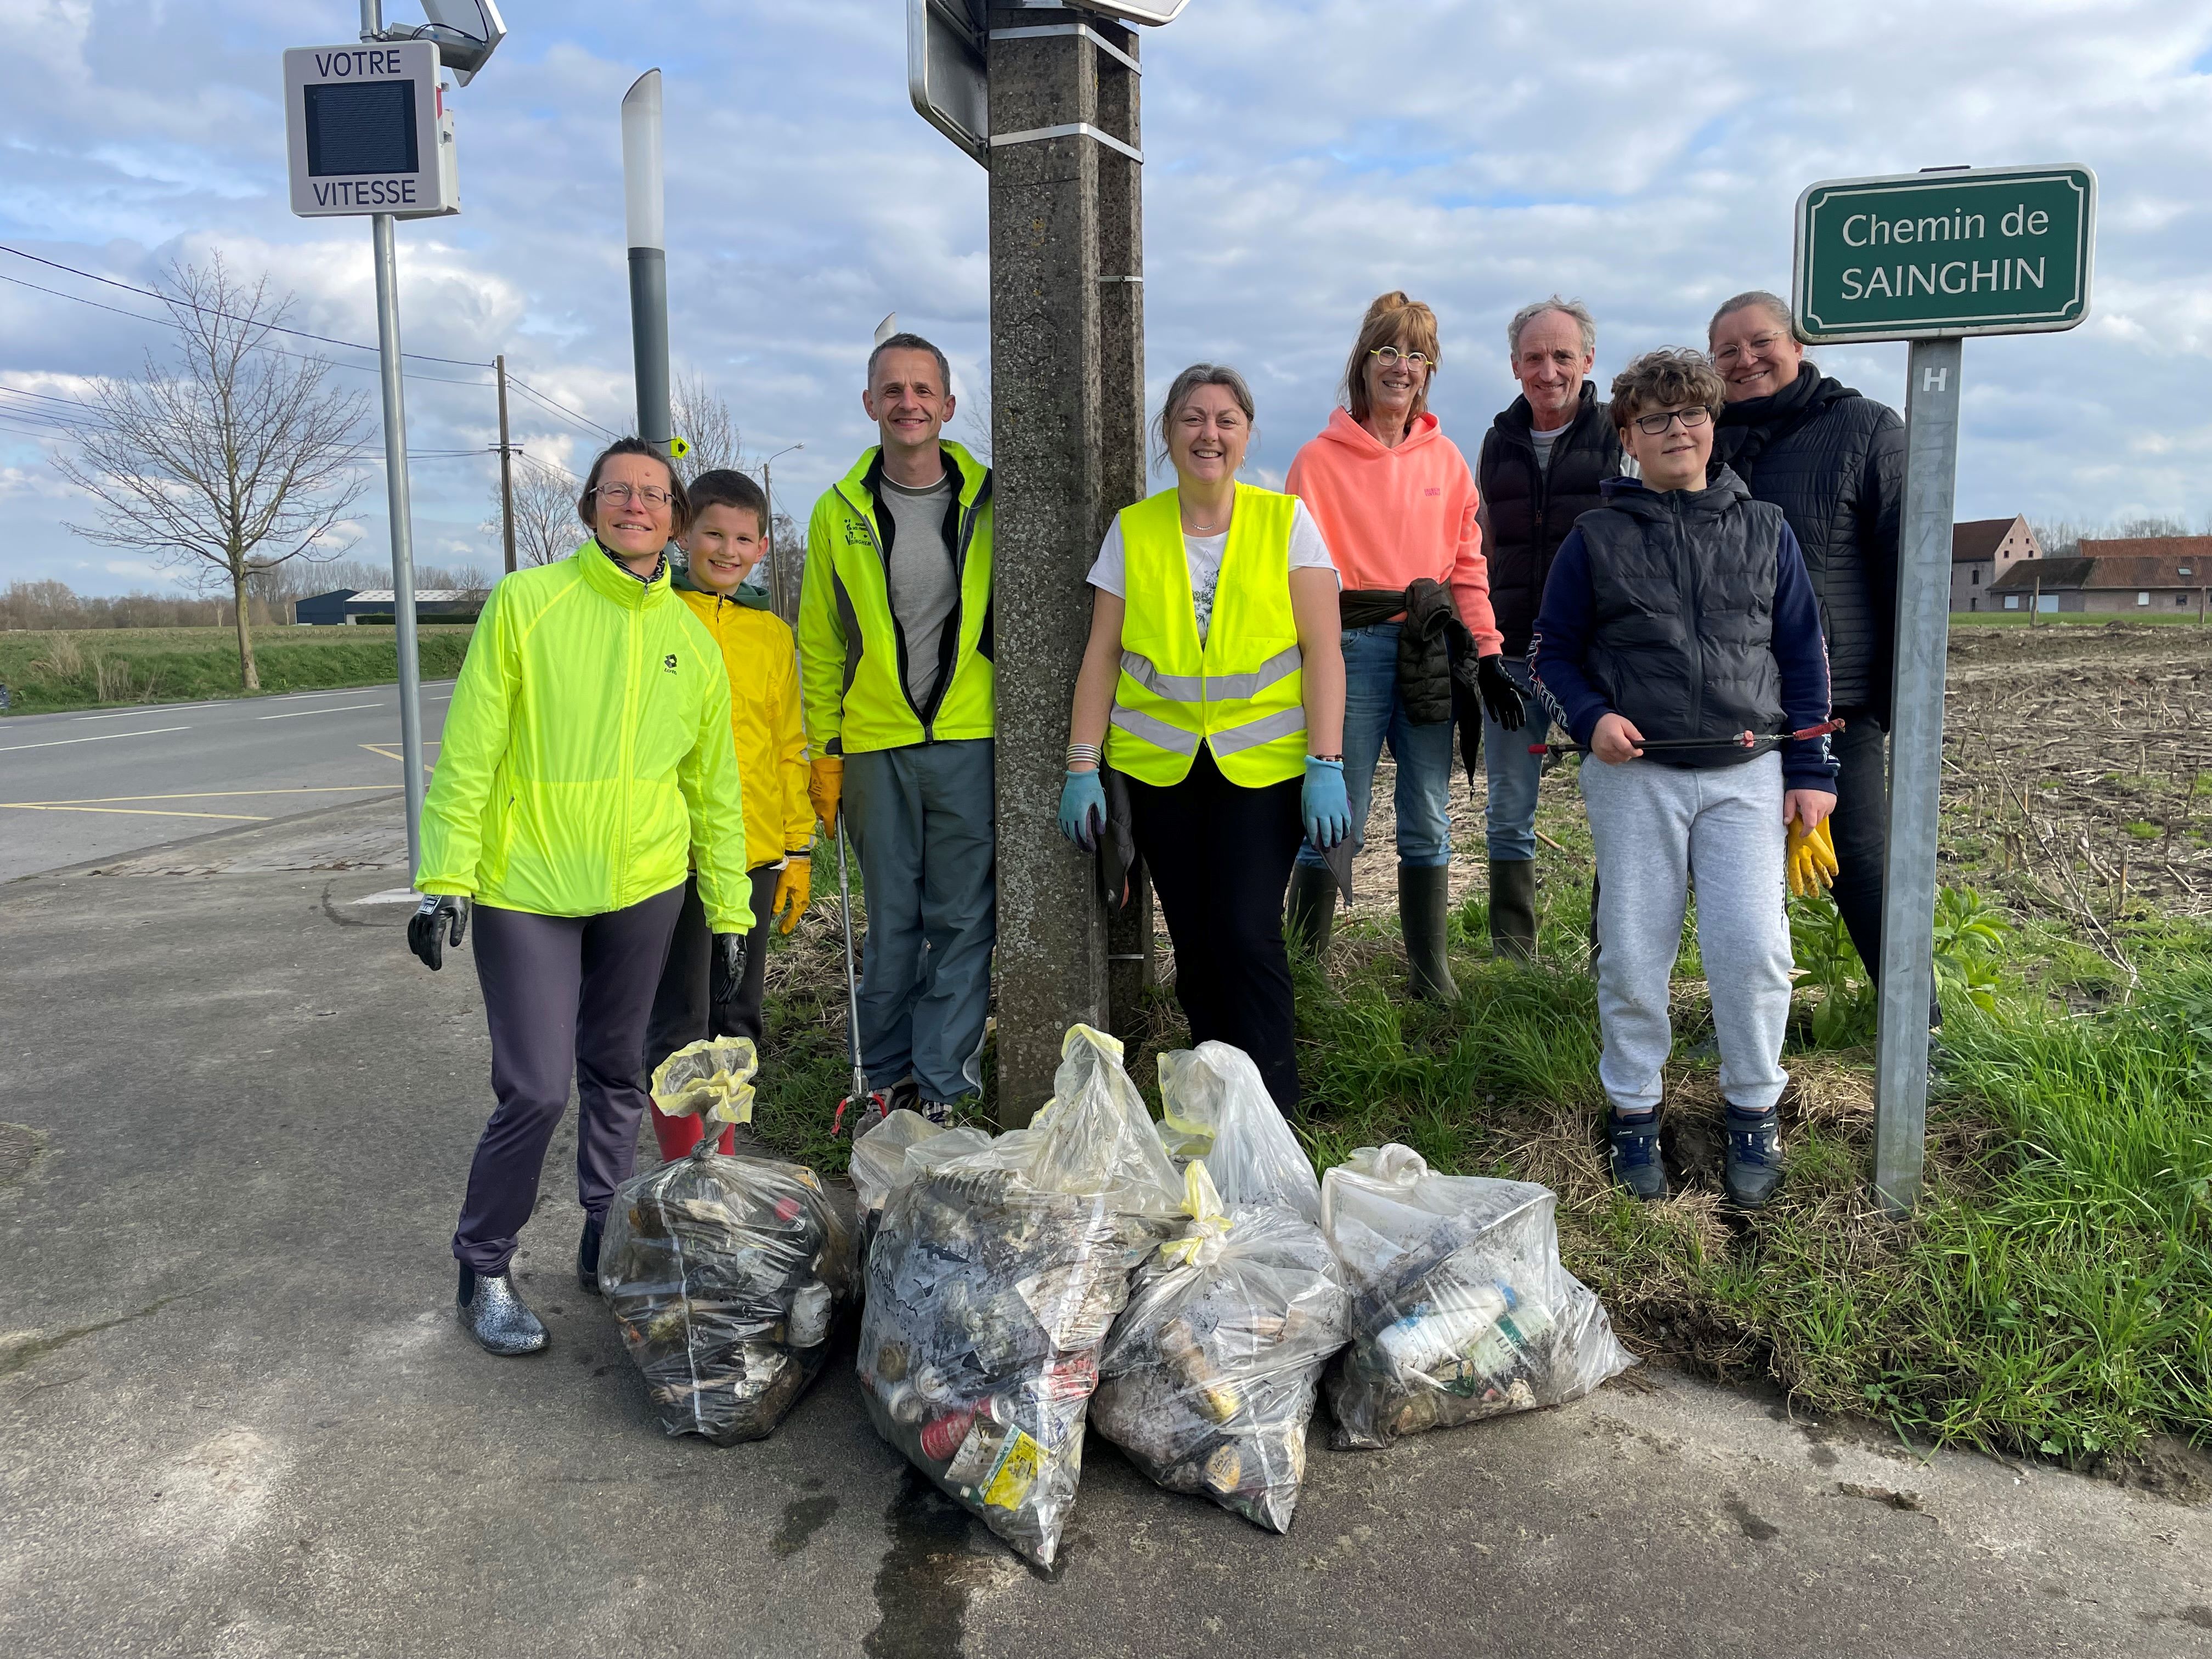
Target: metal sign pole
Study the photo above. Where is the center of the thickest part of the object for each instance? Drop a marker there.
(1923, 621)
(402, 535)
(397, 500)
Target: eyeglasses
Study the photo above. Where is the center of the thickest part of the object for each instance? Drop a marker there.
(620, 494)
(1730, 352)
(1692, 417)
(1392, 357)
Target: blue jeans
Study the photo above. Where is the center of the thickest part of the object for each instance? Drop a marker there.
(1372, 716)
(1510, 818)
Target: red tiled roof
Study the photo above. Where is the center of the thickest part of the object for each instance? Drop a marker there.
(2139, 573)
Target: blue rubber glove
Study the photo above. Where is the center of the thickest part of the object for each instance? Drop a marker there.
(1082, 810)
(1323, 806)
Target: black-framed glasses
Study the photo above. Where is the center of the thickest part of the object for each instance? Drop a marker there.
(1392, 357)
(619, 495)
(1692, 417)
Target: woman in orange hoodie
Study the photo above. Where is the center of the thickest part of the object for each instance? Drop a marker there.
(1396, 503)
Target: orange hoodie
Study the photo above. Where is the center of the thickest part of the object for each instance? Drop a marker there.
(1392, 516)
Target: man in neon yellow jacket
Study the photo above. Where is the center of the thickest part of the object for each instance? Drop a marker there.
(894, 650)
(587, 766)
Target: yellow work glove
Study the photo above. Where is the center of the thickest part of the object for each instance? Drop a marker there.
(1809, 858)
(794, 886)
(825, 787)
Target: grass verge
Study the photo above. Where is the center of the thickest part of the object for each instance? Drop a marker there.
(49, 672)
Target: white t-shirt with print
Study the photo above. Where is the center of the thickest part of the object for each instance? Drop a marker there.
(1203, 554)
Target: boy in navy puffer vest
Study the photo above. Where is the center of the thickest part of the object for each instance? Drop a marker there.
(1679, 614)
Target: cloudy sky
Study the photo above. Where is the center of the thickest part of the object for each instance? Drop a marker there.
(1303, 155)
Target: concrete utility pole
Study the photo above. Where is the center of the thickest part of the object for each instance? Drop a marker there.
(1067, 353)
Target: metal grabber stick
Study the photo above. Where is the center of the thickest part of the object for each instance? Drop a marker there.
(852, 981)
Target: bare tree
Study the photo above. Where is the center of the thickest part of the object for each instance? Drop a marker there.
(235, 462)
(546, 527)
(702, 419)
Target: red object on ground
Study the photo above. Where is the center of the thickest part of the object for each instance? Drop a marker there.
(678, 1135)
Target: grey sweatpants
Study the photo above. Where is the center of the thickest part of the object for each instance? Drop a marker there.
(923, 820)
(1656, 828)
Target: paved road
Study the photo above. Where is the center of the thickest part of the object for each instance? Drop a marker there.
(237, 1417)
(79, 786)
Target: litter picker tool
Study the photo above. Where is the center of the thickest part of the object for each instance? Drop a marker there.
(1740, 740)
(852, 983)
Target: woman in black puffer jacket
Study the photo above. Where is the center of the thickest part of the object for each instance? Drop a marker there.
(1833, 461)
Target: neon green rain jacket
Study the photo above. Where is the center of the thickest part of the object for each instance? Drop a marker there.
(587, 762)
(852, 654)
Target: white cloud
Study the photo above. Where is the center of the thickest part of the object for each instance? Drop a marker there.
(1301, 157)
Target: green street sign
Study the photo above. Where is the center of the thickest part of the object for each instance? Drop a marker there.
(1929, 255)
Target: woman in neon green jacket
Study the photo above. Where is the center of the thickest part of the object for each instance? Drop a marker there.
(587, 768)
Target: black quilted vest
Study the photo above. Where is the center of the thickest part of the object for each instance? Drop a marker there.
(1528, 510)
(1684, 626)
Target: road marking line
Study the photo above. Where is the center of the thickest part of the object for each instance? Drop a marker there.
(203, 794)
(392, 896)
(97, 737)
(159, 708)
(137, 812)
(391, 752)
(296, 712)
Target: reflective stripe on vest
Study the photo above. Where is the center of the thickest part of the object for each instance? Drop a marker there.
(1241, 690)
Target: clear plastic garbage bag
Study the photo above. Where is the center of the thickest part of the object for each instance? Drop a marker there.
(724, 1275)
(902, 1147)
(1207, 1380)
(991, 1284)
(1461, 1309)
(1216, 1107)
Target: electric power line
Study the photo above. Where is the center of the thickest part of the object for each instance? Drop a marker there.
(255, 322)
(516, 381)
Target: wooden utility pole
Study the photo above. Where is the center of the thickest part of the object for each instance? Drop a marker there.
(506, 468)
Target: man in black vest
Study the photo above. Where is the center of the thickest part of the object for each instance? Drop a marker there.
(1679, 617)
(1542, 461)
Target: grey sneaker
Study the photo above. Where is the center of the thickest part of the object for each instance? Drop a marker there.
(1754, 1169)
(496, 1315)
(1634, 1144)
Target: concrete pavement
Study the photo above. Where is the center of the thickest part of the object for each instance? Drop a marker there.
(237, 1417)
(86, 785)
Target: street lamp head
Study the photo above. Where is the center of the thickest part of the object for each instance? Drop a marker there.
(1136, 11)
(467, 32)
(642, 201)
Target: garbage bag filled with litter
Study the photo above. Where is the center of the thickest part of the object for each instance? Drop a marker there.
(903, 1147)
(1207, 1380)
(991, 1283)
(724, 1274)
(1461, 1309)
(1216, 1107)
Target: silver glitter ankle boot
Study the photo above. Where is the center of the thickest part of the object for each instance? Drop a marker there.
(495, 1315)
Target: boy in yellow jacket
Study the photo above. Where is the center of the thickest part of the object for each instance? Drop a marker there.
(726, 537)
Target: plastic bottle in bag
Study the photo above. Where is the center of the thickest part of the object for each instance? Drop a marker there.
(991, 1284)
(1462, 1308)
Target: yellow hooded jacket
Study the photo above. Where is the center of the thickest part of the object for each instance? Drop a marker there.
(587, 761)
(762, 663)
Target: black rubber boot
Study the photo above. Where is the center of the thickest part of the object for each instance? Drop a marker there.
(1634, 1144)
(1424, 901)
(1513, 908)
(587, 1253)
(1312, 910)
(1754, 1168)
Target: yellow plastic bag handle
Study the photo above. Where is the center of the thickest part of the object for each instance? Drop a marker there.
(1201, 1202)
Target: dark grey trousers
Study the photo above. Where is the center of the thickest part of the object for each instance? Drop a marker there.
(683, 1010)
(564, 996)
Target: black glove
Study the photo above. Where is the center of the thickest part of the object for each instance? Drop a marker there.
(729, 970)
(1502, 700)
(438, 914)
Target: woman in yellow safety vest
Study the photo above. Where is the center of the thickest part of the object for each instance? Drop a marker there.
(1214, 683)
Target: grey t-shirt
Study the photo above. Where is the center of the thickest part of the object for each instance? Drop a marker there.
(924, 587)
(1544, 441)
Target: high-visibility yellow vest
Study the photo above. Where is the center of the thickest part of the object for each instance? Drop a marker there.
(1242, 691)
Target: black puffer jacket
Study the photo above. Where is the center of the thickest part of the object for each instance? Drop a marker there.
(1527, 510)
(1833, 461)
